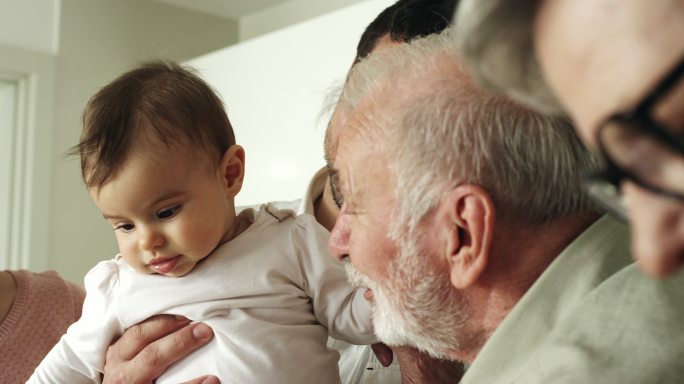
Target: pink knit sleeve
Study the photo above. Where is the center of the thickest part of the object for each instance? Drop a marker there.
(44, 307)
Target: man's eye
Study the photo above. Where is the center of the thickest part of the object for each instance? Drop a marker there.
(168, 212)
(345, 209)
(336, 194)
(124, 227)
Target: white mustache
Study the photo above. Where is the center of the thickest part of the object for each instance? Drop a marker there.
(356, 278)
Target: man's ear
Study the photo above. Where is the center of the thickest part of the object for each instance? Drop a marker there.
(233, 169)
(469, 213)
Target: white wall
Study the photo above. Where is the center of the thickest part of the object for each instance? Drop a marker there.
(285, 14)
(274, 86)
(30, 24)
(99, 39)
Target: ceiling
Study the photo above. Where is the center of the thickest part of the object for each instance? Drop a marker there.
(230, 9)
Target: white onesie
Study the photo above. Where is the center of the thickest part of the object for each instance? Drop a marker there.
(271, 295)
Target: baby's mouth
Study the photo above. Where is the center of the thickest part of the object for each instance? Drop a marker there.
(164, 265)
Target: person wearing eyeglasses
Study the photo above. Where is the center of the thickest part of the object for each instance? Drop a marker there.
(616, 67)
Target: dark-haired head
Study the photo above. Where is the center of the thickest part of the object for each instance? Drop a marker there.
(406, 20)
(159, 103)
(401, 22)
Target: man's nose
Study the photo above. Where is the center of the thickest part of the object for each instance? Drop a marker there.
(338, 244)
(657, 225)
(150, 239)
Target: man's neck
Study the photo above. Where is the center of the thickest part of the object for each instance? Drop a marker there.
(517, 259)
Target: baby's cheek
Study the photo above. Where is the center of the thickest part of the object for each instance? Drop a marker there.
(129, 251)
(126, 248)
(200, 239)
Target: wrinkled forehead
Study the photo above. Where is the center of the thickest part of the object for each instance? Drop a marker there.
(362, 132)
(361, 146)
(335, 127)
(603, 56)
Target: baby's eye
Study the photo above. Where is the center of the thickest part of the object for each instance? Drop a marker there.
(168, 212)
(124, 227)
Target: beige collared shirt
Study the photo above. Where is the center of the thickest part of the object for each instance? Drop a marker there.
(592, 317)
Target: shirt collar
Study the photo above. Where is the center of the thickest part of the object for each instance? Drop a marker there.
(597, 253)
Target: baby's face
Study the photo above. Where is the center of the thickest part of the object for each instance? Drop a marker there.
(168, 212)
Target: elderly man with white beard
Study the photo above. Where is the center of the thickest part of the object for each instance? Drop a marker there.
(464, 217)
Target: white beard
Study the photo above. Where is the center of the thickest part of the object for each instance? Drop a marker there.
(414, 305)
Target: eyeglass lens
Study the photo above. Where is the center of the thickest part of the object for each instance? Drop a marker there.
(644, 156)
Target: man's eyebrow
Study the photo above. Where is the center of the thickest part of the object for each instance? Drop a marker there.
(334, 176)
(326, 153)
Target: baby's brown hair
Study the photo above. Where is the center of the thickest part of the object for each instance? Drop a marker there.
(162, 102)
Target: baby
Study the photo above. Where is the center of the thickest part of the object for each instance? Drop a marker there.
(159, 159)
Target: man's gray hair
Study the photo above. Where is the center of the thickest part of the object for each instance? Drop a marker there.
(443, 131)
(494, 39)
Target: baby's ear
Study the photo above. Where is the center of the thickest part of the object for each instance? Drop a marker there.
(233, 169)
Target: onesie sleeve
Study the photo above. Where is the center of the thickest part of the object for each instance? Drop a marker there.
(77, 295)
(336, 304)
(78, 357)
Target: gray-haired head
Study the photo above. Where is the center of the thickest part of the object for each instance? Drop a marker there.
(442, 131)
(494, 39)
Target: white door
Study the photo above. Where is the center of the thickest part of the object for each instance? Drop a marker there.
(8, 121)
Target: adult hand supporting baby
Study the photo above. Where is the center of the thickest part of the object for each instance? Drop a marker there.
(146, 349)
(420, 368)
(383, 353)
